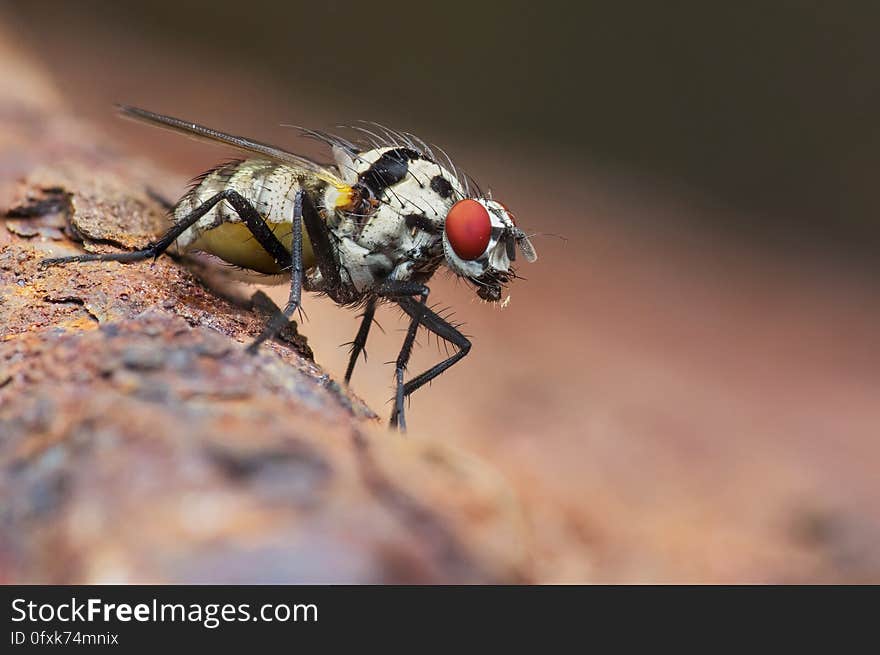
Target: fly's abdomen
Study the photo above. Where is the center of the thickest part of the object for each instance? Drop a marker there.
(269, 187)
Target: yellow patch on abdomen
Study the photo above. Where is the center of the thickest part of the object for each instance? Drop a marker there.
(234, 243)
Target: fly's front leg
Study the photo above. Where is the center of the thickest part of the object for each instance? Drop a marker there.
(360, 340)
(402, 291)
(443, 329)
(405, 294)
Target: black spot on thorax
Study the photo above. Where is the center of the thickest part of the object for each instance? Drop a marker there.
(442, 186)
(389, 169)
(422, 222)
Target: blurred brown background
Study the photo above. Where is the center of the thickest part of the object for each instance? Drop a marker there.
(685, 388)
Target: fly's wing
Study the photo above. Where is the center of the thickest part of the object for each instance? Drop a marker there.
(201, 132)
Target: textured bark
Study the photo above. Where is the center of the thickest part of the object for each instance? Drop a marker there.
(140, 443)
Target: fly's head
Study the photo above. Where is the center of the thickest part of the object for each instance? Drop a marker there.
(480, 240)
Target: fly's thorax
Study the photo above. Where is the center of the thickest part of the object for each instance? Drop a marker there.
(359, 269)
(404, 176)
(411, 193)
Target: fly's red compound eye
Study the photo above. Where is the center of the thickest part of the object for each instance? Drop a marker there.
(468, 229)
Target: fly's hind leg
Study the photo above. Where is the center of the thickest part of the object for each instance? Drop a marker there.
(243, 208)
(249, 216)
(303, 211)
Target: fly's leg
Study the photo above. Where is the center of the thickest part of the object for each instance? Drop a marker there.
(304, 213)
(325, 253)
(255, 224)
(404, 293)
(360, 340)
(263, 304)
(251, 217)
(443, 329)
(280, 320)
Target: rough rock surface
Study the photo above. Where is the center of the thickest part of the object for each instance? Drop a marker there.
(705, 410)
(140, 443)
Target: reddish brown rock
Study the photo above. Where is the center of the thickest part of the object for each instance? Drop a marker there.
(140, 443)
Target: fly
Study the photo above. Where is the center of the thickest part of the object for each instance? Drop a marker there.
(372, 227)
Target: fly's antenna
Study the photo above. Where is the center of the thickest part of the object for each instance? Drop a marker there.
(561, 237)
(525, 245)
